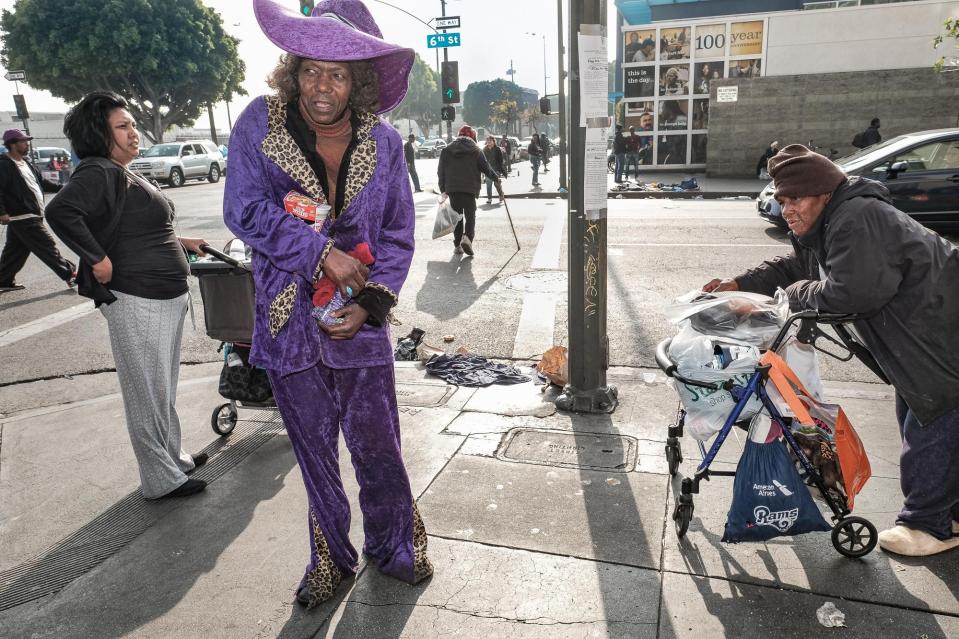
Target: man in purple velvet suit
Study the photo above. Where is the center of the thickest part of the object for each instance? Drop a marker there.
(318, 188)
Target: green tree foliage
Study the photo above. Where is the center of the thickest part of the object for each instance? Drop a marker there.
(423, 101)
(948, 62)
(168, 58)
(484, 102)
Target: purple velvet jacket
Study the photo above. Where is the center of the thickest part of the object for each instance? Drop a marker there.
(265, 166)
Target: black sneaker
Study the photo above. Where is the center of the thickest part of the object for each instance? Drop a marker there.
(198, 460)
(11, 287)
(467, 245)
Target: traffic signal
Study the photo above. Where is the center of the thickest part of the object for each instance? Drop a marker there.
(448, 113)
(306, 7)
(544, 105)
(451, 83)
(21, 104)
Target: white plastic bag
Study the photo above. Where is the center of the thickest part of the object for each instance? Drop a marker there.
(737, 316)
(446, 218)
(695, 359)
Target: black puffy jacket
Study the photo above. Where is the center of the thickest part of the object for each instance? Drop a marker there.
(461, 164)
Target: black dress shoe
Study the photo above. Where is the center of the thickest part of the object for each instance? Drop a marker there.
(191, 487)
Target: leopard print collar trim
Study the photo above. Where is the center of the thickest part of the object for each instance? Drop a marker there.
(279, 146)
(362, 160)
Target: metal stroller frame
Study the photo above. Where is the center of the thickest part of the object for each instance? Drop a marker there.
(852, 536)
(225, 416)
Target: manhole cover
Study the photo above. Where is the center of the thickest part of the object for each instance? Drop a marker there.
(596, 451)
(539, 282)
(423, 395)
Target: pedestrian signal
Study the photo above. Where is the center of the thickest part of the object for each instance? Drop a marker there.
(448, 114)
(306, 7)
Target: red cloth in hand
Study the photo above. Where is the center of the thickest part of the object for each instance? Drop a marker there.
(324, 288)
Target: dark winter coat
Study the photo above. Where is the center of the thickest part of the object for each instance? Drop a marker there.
(494, 157)
(871, 136)
(461, 164)
(764, 159)
(619, 143)
(866, 257)
(16, 198)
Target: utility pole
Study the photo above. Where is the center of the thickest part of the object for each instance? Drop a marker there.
(446, 58)
(561, 75)
(587, 390)
(209, 111)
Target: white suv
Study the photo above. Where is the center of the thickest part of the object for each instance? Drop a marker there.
(175, 162)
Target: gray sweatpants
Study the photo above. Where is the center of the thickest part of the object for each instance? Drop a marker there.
(145, 335)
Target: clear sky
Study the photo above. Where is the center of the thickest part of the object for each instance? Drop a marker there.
(493, 33)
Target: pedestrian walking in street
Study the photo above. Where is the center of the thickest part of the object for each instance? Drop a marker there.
(535, 152)
(461, 164)
(761, 171)
(319, 138)
(409, 151)
(619, 152)
(494, 157)
(21, 211)
(854, 253)
(868, 137)
(545, 147)
(507, 148)
(632, 153)
(134, 267)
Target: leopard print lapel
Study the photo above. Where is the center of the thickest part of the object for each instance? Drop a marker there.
(279, 146)
(362, 160)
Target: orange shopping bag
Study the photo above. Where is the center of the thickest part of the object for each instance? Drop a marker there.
(828, 420)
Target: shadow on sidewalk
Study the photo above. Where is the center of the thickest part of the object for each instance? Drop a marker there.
(450, 287)
(151, 571)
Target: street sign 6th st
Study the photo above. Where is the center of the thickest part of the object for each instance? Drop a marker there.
(15, 76)
(443, 40)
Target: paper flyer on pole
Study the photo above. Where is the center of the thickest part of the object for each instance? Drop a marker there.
(593, 77)
(595, 188)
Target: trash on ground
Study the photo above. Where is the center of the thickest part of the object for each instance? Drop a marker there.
(830, 616)
(554, 366)
(467, 370)
(405, 350)
(425, 351)
(449, 338)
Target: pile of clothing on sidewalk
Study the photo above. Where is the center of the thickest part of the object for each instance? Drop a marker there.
(461, 368)
(689, 184)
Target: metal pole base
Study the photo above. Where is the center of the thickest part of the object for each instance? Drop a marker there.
(597, 400)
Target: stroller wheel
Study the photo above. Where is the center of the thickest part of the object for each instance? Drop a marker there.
(854, 537)
(674, 456)
(681, 517)
(223, 419)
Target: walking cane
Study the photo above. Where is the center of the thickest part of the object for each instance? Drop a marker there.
(499, 189)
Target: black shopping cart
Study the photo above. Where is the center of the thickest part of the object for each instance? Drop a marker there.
(227, 291)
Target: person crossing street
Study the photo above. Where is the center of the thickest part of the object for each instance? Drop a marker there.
(461, 164)
(21, 211)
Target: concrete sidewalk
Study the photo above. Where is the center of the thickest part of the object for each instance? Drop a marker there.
(541, 525)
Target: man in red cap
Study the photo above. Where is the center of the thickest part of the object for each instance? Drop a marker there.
(461, 164)
(21, 211)
(855, 253)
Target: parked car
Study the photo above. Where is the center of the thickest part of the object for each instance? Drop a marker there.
(431, 148)
(921, 171)
(41, 159)
(174, 163)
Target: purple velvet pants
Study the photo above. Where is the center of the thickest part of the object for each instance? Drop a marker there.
(316, 404)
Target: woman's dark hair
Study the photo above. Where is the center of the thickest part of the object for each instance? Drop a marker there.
(87, 124)
(364, 98)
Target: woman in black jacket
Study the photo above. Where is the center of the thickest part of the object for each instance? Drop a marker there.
(135, 269)
(461, 164)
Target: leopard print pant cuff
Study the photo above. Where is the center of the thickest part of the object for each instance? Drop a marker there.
(422, 566)
(322, 580)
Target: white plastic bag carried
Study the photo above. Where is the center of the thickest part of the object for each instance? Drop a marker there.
(446, 218)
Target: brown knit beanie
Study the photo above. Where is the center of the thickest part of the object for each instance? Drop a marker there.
(798, 172)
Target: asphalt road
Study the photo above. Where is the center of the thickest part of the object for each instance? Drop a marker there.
(658, 249)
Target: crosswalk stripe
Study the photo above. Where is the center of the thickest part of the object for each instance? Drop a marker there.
(17, 333)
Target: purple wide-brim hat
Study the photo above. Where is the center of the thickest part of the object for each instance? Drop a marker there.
(339, 31)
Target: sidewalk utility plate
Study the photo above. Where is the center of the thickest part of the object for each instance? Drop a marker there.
(596, 451)
(538, 282)
(423, 395)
